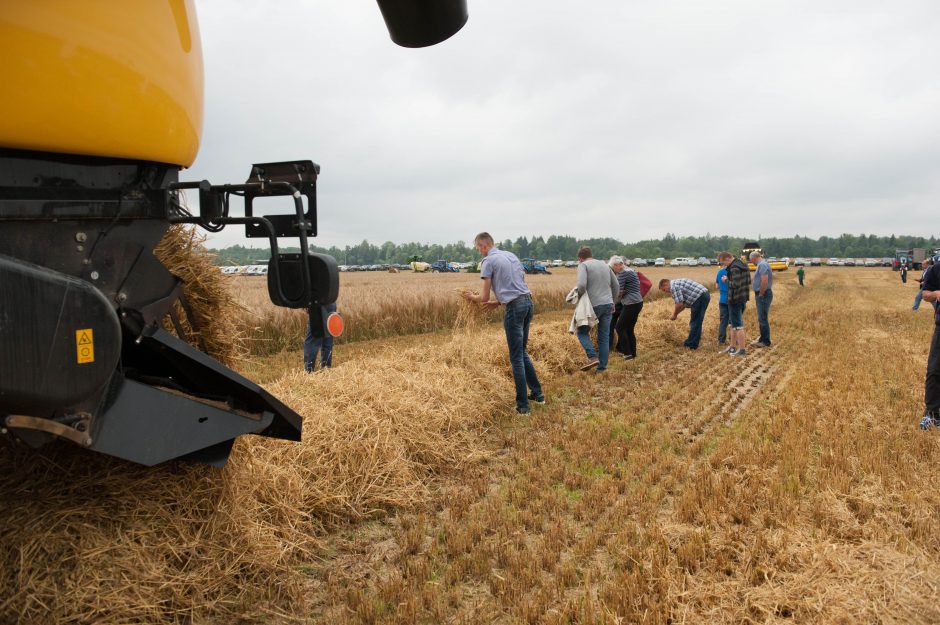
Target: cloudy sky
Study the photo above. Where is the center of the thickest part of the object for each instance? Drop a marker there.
(623, 118)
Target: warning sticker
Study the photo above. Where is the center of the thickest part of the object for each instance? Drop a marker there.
(85, 346)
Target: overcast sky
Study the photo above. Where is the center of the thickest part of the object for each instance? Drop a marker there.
(623, 118)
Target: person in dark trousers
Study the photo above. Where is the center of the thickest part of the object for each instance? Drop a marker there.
(616, 265)
(631, 303)
(931, 287)
(739, 292)
(688, 294)
(764, 295)
(502, 273)
(721, 283)
(318, 341)
(904, 273)
(799, 275)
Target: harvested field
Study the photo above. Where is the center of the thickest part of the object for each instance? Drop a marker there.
(789, 486)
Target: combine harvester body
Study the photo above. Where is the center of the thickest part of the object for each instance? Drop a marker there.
(102, 108)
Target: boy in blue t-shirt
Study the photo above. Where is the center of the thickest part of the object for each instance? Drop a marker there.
(721, 281)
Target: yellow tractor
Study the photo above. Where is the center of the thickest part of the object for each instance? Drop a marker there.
(102, 107)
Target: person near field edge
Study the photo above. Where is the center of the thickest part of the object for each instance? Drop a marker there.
(721, 283)
(931, 286)
(690, 294)
(596, 279)
(318, 340)
(762, 285)
(739, 292)
(502, 273)
(800, 273)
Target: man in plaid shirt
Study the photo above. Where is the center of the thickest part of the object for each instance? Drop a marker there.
(688, 294)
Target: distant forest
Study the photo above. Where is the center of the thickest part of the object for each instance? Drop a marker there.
(566, 248)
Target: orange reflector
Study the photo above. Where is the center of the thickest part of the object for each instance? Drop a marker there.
(335, 324)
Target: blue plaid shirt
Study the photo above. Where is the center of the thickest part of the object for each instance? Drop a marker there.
(686, 291)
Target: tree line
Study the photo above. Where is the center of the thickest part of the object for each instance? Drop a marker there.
(566, 248)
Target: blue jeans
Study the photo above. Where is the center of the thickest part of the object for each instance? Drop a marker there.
(603, 314)
(723, 318)
(918, 298)
(695, 323)
(763, 314)
(516, 321)
(322, 344)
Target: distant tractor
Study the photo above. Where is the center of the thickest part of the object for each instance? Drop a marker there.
(442, 266)
(530, 265)
(912, 257)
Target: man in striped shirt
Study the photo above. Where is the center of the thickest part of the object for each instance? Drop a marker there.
(688, 294)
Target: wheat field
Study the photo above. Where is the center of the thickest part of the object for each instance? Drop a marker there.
(379, 305)
(792, 486)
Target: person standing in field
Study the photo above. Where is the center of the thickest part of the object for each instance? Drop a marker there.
(318, 341)
(930, 284)
(502, 273)
(920, 290)
(903, 273)
(739, 292)
(616, 265)
(763, 294)
(688, 294)
(721, 283)
(800, 273)
(599, 282)
(630, 301)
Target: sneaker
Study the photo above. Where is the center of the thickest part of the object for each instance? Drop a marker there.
(740, 352)
(929, 422)
(731, 351)
(590, 364)
(759, 344)
(628, 356)
(523, 410)
(538, 400)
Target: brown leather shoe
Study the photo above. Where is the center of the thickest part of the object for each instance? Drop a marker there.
(593, 362)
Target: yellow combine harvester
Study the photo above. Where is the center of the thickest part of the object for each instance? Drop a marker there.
(102, 107)
(775, 265)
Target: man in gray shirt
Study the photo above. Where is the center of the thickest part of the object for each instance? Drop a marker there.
(597, 280)
(763, 283)
(502, 273)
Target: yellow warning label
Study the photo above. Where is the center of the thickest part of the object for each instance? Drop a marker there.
(85, 346)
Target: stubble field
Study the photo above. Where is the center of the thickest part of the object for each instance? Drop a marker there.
(791, 486)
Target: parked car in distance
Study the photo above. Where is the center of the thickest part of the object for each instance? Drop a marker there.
(834, 262)
(799, 262)
(571, 263)
(703, 261)
(848, 262)
(815, 262)
(712, 261)
(659, 262)
(679, 261)
(639, 262)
